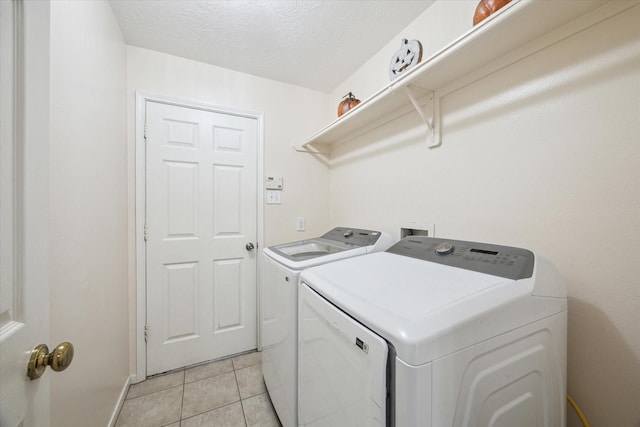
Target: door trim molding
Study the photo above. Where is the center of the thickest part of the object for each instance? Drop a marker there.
(140, 210)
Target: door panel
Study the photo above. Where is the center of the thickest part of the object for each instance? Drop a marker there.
(181, 201)
(201, 211)
(228, 294)
(182, 292)
(227, 203)
(24, 190)
(341, 367)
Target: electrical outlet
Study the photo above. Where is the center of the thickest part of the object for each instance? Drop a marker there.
(300, 223)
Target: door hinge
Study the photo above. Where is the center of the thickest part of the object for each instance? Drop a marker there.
(147, 333)
(146, 129)
(146, 232)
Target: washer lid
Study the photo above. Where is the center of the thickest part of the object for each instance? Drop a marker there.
(337, 243)
(424, 309)
(312, 248)
(307, 253)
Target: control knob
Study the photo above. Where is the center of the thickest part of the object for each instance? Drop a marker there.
(444, 248)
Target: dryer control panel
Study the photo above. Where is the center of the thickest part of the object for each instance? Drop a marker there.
(502, 261)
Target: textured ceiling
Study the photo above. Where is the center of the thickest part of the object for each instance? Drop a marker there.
(311, 43)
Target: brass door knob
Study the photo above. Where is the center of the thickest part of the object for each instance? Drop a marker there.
(59, 359)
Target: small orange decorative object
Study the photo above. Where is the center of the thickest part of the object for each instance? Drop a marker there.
(486, 8)
(347, 104)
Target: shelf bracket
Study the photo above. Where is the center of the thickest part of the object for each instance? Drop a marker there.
(433, 130)
(306, 148)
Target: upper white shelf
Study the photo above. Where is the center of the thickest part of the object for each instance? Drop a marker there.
(517, 24)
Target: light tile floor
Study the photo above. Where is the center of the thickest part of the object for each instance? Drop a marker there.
(225, 393)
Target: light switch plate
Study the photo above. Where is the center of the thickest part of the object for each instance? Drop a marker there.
(273, 197)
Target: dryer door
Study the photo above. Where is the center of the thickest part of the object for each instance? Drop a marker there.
(341, 367)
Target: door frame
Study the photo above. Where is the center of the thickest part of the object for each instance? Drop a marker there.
(140, 210)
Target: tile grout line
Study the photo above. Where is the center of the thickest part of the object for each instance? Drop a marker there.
(184, 378)
(244, 414)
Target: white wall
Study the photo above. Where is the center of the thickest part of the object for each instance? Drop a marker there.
(443, 22)
(544, 154)
(88, 207)
(290, 112)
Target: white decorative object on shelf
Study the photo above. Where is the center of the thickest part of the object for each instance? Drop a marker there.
(519, 29)
(405, 59)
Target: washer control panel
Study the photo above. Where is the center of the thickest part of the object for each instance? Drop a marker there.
(353, 236)
(503, 261)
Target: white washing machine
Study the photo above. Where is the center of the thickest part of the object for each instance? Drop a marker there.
(433, 333)
(280, 270)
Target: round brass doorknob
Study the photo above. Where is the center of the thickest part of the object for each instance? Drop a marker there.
(59, 359)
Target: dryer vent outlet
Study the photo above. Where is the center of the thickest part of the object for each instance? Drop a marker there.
(417, 229)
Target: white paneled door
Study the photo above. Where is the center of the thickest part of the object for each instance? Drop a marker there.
(201, 231)
(24, 191)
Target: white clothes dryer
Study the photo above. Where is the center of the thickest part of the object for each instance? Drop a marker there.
(280, 271)
(433, 333)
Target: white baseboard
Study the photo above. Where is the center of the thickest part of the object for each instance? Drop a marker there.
(133, 379)
(121, 398)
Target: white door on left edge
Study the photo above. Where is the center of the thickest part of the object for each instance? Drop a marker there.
(201, 189)
(24, 198)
